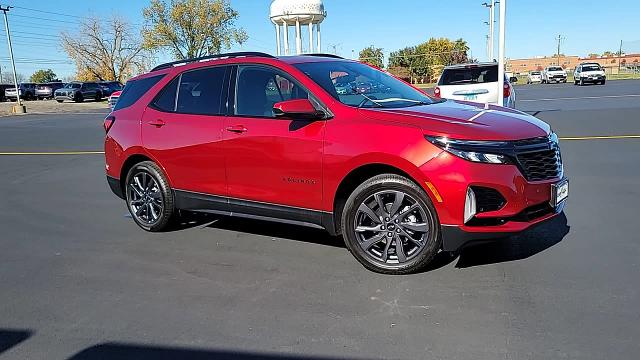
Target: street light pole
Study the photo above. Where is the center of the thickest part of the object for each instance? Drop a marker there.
(19, 108)
(503, 12)
(491, 23)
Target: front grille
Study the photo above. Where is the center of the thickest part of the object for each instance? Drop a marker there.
(539, 159)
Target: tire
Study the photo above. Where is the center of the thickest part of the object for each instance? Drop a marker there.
(59, 101)
(384, 254)
(78, 97)
(575, 82)
(581, 82)
(149, 197)
(98, 96)
(603, 82)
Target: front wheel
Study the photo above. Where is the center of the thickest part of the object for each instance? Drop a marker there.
(390, 225)
(581, 82)
(78, 97)
(149, 197)
(602, 82)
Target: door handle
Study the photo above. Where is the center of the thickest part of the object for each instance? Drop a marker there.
(157, 123)
(238, 129)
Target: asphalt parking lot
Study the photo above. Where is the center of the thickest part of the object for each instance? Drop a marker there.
(79, 280)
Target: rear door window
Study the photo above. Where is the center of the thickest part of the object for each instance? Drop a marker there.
(469, 75)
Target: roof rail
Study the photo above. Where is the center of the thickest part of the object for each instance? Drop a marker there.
(211, 57)
(324, 55)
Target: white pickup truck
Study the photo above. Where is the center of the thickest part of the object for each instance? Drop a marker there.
(554, 74)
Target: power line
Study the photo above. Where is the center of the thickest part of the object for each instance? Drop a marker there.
(47, 12)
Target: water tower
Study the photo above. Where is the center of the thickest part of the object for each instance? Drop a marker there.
(298, 13)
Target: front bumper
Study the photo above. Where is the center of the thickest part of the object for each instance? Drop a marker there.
(526, 203)
(63, 97)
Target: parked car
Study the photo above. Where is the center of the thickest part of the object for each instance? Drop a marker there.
(401, 176)
(534, 77)
(27, 91)
(554, 74)
(474, 82)
(46, 91)
(589, 73)
(79, 91)
(113, 99)
(108, 87)
(4, 87)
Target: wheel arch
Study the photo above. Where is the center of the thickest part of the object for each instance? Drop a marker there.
(130, 162)
(356, 177)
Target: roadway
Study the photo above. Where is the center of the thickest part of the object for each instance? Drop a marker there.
(79, 280)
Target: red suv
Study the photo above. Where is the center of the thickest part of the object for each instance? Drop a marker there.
(399, 174)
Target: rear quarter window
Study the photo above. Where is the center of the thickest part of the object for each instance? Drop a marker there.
(471, 75)
(134, 90)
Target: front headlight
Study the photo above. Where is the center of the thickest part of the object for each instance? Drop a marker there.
(488, 152)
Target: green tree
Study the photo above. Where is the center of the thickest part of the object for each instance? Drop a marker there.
(373, 56)
(422, 60)
(43, 76)
(191, 28)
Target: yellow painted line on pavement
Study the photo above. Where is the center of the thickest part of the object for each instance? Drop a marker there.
(604, 137)
(53, 153)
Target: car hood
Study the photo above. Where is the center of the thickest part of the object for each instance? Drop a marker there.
(465, 121)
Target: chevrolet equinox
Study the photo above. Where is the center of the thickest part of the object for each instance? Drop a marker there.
(321, 141)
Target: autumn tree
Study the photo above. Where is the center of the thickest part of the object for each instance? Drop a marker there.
(43, 76)
(105, 50)
(373, 56)
(422, 60)
(191, 28)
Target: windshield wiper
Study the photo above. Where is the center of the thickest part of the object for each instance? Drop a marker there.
(375, 102)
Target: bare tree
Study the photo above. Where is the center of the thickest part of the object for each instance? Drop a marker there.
(105, 50)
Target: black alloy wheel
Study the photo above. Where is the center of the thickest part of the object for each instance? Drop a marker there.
(390, 225)
(149, 197)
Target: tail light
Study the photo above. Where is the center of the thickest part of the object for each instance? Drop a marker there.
(436, 92)
(506, 90)
(108, 123)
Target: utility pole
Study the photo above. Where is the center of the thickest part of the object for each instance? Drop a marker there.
(559, 39)
(491, 5)
(620, 57)
(501, 52)
(19, 108)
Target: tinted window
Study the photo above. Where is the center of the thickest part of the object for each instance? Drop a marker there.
(201, 91)
(554, 68)
(258, 88)
(469, 75)
(134, 90)
(166, 100)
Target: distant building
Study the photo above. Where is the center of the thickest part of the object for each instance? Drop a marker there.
(522, 66)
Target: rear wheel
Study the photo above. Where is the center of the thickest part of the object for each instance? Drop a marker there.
(149, 197)
(59, 101)
(390, 225)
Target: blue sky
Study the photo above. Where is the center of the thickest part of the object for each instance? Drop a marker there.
(586, 26)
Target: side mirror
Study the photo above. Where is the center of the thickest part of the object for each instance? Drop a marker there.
(513, 79)
(297, 109)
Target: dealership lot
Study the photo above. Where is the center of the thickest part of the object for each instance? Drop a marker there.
(80, 280)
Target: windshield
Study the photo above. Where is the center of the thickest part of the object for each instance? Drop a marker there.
(591, 68)
(554, 69)
(73, 86)
(360, 85)
(535, 73)
(472, 74)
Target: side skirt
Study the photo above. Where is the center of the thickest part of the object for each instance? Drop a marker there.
(220, 205)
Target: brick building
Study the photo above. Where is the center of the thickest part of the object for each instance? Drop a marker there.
(523, 66)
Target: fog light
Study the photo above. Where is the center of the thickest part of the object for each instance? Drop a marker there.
(469, 205)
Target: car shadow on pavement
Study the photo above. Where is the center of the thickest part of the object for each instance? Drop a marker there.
(532, 241)
(518, 247)
(11, 337)
(117, 351)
